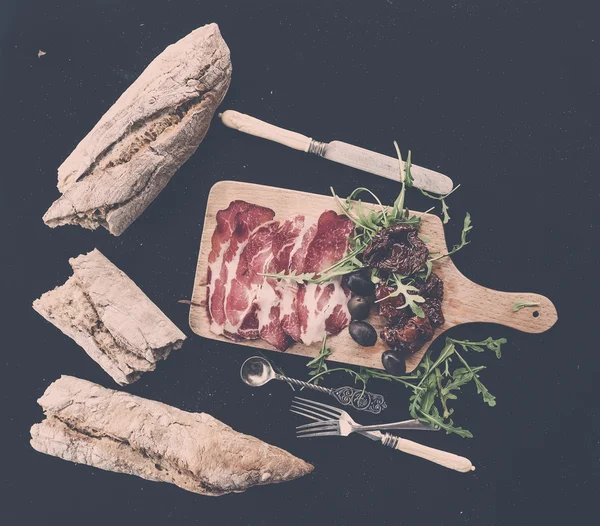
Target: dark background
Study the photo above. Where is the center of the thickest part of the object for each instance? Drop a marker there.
(501, 96)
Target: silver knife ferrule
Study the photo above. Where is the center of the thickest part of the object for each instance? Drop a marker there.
(316, 147)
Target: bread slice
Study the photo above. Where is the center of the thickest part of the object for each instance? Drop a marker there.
(111, 318)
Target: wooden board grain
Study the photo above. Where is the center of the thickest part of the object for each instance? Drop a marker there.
(464, 301)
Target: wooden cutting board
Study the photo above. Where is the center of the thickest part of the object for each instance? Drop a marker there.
(464, 301)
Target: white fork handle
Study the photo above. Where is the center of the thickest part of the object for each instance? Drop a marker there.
(443, 458)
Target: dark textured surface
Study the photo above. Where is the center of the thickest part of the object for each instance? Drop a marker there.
(503, 96)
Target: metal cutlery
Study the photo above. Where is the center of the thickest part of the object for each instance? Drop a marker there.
(332, 421)
(257, 371)
(338, 151)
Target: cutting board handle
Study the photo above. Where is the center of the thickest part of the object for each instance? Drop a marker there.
(245, 123)
(494, 306)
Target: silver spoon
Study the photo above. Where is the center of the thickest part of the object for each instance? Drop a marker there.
(257, 371)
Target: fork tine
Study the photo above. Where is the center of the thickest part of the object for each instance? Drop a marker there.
(316, 424)
(301, 413)
(326, 427)
(329, 410)
(330, 407)
(318, 415)
(318, 435)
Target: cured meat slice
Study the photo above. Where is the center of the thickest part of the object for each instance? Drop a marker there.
(329, 242)
(290, 320)
(272, 293)
(267, 308)
(244, 280)
(226, 224)
(322, 309)
(288, 242)
(234, 225)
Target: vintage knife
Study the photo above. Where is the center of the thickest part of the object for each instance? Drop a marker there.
(339, 152)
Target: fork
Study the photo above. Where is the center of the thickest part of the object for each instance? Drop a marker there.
(332, 421)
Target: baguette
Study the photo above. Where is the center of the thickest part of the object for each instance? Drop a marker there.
(116, 431)
(120, 167)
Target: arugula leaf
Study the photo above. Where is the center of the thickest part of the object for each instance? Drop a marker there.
(442, 198)
(445, 213)
(448, 426)
(344, 266)
(488, 398)
(376, 217)
(489, 343)
(460, 377)
(481, 389)
(410, 300)
(522, 304)
(367, 374)
(467, 227)
(318, 364)
(408, 178)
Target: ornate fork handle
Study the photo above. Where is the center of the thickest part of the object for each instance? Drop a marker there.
(349, 396)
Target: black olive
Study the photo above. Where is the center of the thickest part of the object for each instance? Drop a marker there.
(359, 308)
(363, 333)
(360, 283)
(393, 362)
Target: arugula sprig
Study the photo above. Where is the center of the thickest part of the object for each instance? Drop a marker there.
(436, 381)
(318, 364)
(467, 227)
(442, 199)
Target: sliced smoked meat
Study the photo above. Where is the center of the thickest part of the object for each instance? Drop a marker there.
(243, 304)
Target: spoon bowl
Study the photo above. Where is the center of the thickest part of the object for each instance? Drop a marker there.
(256, 371)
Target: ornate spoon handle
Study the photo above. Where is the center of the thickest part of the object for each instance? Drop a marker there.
(349, 396)
(359, 399)
(304, 384)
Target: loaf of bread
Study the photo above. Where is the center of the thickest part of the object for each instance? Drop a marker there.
(120, 167)
(116, 431)
(111, 318)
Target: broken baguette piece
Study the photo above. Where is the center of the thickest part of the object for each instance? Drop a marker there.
(108, 315)
(120, 167)
(116, 431)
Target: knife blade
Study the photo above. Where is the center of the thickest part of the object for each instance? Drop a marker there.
(340, 152)
(385, 166)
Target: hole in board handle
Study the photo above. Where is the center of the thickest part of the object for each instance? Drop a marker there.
(536, 314)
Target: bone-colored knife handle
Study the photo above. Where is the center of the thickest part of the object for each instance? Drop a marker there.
(252, 126)
(443, 458)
